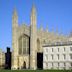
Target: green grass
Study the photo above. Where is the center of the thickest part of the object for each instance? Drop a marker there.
(35, 70)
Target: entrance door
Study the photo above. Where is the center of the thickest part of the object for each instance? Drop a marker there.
(24, 65)
(39, 60)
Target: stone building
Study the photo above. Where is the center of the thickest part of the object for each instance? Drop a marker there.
(27, 42)
(57, 55)
(2, 59)
(8, 59)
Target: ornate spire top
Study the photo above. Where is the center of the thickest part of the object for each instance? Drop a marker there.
(41, 27)
(33, 16)
(15, 18)
(33, 9)
(14, 12)
(47, 28)
(56, 30)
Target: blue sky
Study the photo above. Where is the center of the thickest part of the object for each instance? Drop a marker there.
(54, 13)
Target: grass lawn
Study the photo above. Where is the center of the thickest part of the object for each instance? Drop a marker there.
(35, 70)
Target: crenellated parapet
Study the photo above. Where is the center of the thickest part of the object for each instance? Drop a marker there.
(50, 37)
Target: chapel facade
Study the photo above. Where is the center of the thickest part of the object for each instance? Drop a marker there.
(27, 42)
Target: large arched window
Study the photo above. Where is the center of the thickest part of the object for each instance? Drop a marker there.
(23, 45)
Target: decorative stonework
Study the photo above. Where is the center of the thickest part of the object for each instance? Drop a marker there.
(37, 39)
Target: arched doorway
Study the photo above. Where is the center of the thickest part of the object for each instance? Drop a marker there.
(24, 65)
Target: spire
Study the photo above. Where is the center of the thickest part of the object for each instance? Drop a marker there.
(33, 9)
(15, 13)
(41, 27)
(33, 15)
(33, 39)
(56, 30)
(15, 18)
(47, 28)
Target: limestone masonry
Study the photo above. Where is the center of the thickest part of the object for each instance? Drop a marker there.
(28, 42)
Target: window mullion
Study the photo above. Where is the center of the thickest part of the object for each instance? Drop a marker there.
(26, 45)
(22, 45)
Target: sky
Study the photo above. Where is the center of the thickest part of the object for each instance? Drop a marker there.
(56, 14)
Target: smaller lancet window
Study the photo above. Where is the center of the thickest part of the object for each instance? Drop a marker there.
(58, 56)
(52, 56)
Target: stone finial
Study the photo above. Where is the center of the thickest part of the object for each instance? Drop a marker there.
(33, 10)
(15, 18)
(47, 28)
(56, 30)
(14, 12)
(33, 16)
(41, 27)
